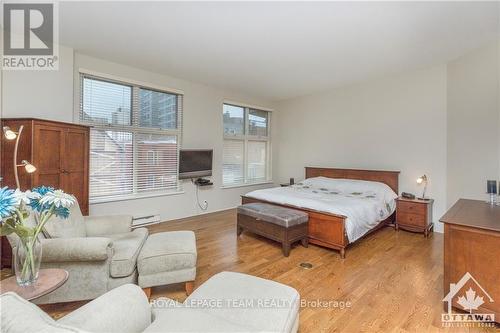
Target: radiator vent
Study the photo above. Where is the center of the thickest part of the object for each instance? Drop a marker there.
(145, 220)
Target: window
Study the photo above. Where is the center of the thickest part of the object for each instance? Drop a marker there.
(246, 145)
(134, 139)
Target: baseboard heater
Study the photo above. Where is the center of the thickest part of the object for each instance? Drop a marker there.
(145, 220)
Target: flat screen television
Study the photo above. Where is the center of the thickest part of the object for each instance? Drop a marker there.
(195, 163)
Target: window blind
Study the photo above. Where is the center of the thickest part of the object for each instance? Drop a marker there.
(257, 158)
(134, 140)
(246, 145)
(111, 163)
(233, 162)
(156, 162)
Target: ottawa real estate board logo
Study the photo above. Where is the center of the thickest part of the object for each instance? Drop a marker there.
(30, 36)
(468, 295)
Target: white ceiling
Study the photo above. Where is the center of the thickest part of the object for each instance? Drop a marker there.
(277, 50)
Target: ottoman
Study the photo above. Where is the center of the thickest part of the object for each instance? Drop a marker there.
(284, 225)
(166, 258)
(230, 302)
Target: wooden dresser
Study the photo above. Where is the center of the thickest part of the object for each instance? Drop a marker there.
(59, 151)
(472, 244)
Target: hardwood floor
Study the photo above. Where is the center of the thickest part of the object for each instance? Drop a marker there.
(393, 280)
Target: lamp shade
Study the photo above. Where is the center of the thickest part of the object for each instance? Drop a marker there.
(8, 133)
(422, 179)
(30, 168)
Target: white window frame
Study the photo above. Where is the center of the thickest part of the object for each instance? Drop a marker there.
(246, 138)
(134, 129)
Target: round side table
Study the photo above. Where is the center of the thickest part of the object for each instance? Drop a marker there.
(48, 280)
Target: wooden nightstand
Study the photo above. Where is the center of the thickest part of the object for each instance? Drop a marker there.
(414, 215)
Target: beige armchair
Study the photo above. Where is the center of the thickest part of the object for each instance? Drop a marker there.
(100, 253)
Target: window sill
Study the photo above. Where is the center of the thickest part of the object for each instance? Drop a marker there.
(247, 184)
(134, 197)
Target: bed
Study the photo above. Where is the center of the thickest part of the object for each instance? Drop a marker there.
(334, 215)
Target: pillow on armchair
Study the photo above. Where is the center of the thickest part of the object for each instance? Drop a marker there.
(72, 227)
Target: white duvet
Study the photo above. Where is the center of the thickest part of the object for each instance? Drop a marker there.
(363, 203)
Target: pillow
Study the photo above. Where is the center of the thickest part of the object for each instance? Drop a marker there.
(72, 227)
(353, 186)
(319, 182)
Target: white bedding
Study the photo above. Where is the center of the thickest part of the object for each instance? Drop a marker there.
(364, 203)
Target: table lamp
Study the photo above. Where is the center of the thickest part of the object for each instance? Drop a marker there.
(423, 180)
(11, 135)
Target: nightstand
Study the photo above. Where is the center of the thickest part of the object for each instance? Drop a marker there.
(414, 215)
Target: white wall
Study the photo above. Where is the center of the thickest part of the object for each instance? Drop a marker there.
(55, 94)
(473, 124)
(442, 121)
(392, 124)
(40, 94)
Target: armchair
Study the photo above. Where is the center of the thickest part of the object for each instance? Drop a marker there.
(125, 309)
(100, 253)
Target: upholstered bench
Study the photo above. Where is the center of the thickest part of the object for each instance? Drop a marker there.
(166, 258)
(284, 225)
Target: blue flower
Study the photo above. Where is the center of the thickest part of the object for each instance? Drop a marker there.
(48, 197)
(42, 190)
(35, 205)
(58, 198)
(61, 212)
(8, 202)
(35, 202)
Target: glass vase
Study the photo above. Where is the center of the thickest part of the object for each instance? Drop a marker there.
(27, 260)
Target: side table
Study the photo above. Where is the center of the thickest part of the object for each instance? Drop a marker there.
(48, 280)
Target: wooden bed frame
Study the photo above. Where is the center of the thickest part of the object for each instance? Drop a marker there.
(328, 230)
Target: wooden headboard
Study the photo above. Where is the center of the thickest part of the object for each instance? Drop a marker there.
(391, 178)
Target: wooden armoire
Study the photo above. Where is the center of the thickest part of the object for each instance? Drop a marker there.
(59, 151)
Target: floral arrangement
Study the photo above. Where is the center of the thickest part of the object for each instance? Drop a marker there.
(15, 208)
